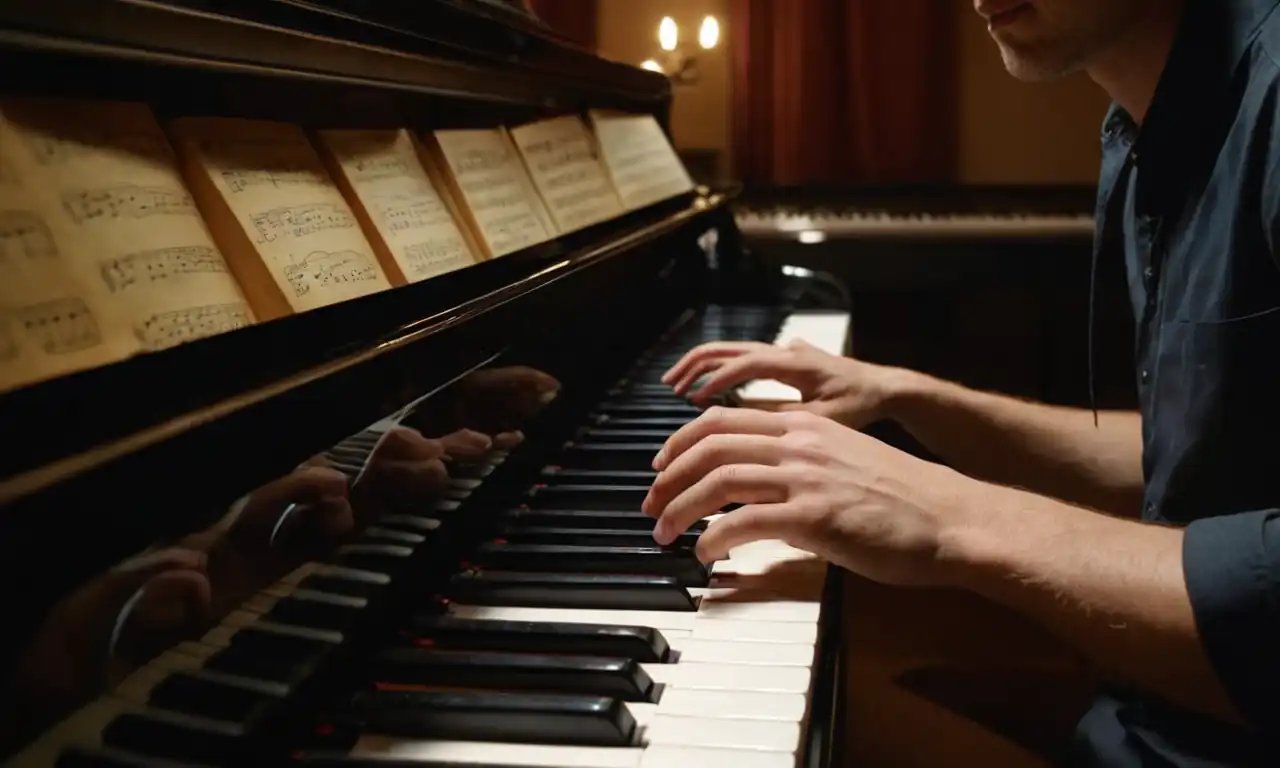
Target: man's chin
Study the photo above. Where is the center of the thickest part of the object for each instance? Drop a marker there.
(1031, 68)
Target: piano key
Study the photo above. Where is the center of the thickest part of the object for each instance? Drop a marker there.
(540, 636)
(736, 704)
(394, 752)
(655, 561)
(652, 410)
(105, 757)
(379, 534)
(592, 537)
(677, 731)
(762, 610)
(609, 455)
(634, 520)
(735, 652)
(606, 591)
(663, 756)
(660, 620)
(495, 716)
(607, 435)
(620, 678)
(418, 523)
(635, 477)
(647, 422)
(587, 496)
(730, 677)
(299, 607)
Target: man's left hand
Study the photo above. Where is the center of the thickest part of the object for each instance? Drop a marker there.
(814, 484)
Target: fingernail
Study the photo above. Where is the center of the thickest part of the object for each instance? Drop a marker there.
(660, 460)
(644, 505)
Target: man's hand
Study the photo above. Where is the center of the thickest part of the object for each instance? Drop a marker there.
(810, 482)
(850, 391)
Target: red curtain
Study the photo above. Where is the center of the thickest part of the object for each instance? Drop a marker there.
(843, 91)
(575, 19)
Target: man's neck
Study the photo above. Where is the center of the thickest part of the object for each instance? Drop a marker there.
(1130, 69)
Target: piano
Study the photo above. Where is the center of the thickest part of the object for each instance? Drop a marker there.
(401, 530)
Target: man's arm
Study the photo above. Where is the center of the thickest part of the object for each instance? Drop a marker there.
(1052, 450)
(1190, 615)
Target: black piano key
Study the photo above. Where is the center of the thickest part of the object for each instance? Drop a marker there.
(606, 435)
(556, 558)
(567, 475)
(609, 456)
(640, 643)
(336, 612)
(338, 585)
(529, 672)
(659, 410)
(587, 496)
(495, 716)
(387, 559)
(633, 520)
(177, 736)
(577, 590)
(213, 699)
(591, 537)
(664, 423)
(82, 757)
(270, 656)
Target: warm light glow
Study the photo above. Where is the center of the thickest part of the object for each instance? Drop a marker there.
(811, 236)
(668, 34)
(651, 65)
(709, 34)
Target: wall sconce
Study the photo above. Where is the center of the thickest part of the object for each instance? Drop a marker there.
(676, 61)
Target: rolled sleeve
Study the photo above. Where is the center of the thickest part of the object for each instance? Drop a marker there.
(1232, 571)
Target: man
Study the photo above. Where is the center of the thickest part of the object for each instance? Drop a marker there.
(1154, 548)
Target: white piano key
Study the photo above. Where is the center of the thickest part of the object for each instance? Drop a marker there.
(390, 534)
(669, 730)
(703, 757)
(495, 753)
(728, 652)
(763, 610)
(741, 705)
(662, 620)
(828, 331)
(411, 521)
(755, 631)
(767, 551)
(730, 677)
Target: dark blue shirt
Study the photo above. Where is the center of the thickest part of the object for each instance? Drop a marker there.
(1190, 205)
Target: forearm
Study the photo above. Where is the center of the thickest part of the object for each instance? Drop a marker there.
(1052, 450)
(1112, 588)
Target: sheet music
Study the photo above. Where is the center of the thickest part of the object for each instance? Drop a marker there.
(294, 217)
(565, 167)
(641, 161)
(385, 172)
(52, 320)
(139, 231)
(495, 188)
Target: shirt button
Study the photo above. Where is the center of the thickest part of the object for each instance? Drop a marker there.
(1148, 509)
(1146, 374)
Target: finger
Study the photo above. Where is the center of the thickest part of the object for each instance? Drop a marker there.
(772, 363)
(716, 421)
(271, 508)
(405, 444)
(170, 607)
(314, 528)
(700, 460)
(710, 351)
(505, 441)
(754, 522)
(407, 483)
(466, 443)
(731, 483)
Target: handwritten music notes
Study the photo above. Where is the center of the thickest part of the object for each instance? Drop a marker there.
(406, 219)
(288, 234)
(643, 165)
(116, 180)
(563, 164)
(498, 199)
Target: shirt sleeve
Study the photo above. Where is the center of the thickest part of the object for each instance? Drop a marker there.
(1232, 570)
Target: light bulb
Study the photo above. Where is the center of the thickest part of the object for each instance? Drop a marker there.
(709, 33)
(668, 34)
(651, 65)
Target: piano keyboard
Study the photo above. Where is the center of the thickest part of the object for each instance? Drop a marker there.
(817, 226)
(567, 637)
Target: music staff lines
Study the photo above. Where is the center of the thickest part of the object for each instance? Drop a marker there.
(57, 327)
(300, 221)
(319, 269)
(127, 201)
(24, 235)
(403, 213)
(428, 257)
(146, 267)
(238, 180)
(167, 329)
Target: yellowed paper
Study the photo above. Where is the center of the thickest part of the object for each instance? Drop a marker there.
(140, 234)
(495, 189)
(273, 209)
(565, 166)
(408, 216)
(643, 165)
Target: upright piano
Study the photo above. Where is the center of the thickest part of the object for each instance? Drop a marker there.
(401, 530)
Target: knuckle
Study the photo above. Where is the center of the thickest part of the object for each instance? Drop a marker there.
(725, 475)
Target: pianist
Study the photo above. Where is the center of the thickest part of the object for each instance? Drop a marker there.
(1152, 543)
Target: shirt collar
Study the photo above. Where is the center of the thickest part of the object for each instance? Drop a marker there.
(1195, 90)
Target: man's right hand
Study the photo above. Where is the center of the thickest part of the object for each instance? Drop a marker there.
(852, 392)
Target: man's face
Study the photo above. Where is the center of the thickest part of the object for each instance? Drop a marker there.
(1043, 39)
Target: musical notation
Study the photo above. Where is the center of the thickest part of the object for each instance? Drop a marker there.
(168, 329)
(320, 269)
(301, 220)
(160, 264)
(77, 142)
(382, 166)
(238, 180)
(127, 201)
(60, 326)
(435, 257)
(565, 168)
(24, 235)
(645, 167)
(402, 213)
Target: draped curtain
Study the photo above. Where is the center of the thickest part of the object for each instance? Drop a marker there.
(574, 19)
(843, 91)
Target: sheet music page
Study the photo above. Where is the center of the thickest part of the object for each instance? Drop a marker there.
(111, 166)
(383, 170)
(563, 162)
(495, 188)
(296, 222)
(54, 318)
(641, 161)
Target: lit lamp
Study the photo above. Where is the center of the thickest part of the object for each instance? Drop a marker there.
(680, 63)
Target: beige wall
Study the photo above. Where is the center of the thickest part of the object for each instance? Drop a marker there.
(1010, 132)
(1015, 132)
(700, 113)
